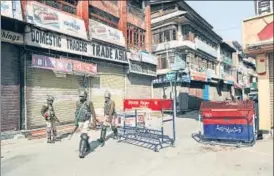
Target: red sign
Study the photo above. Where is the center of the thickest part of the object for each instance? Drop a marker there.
(152, 104)
(83, 67)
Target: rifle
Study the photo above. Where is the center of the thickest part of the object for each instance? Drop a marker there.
(76, 127)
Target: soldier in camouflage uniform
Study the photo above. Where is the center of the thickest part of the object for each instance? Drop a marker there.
(48, 113)
(85, 113)
(109, 118)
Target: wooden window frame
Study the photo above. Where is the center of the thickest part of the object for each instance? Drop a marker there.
(61, 3)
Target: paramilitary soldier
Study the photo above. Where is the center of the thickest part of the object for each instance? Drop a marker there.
(109, 114)
(84, 114)
(51, 119)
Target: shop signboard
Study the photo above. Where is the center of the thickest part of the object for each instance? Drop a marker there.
(171, 76)
(11, 9)
(11, 37)
(148, 58)
(198, 76)
(152, 104)
(50, 63)
(55, 41)
(142, 69)
(63, 65)
(106, 33)
(82, 67)
(47, 17)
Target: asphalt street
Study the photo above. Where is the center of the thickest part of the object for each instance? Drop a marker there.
(187, 157)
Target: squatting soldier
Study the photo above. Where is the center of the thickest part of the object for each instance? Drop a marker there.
(109, 118)
(48, 113)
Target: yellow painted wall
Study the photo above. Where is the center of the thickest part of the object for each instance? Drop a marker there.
(264, 100)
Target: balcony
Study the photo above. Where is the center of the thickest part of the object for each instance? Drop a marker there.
(173, 44)
(205, 47)
(227, 60)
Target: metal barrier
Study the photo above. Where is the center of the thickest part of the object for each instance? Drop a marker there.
(142, 134)
(228, 116)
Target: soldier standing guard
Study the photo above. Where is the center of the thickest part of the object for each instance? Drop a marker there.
(109, 113)
(48, 113)
(83, 115)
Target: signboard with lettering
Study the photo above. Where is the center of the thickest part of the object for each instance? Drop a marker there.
(140, 68)
(53, 19)
(55, 41)
(152, 104)
(198, 76)
(263, 7)
(11, 37)
(148, 58)
(63, 65)
(11, 9)
(109, 53)
(106, 33)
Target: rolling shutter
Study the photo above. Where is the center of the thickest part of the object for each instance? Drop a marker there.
(10, 87)
(138, 86)
(41, 83)
(109, 78)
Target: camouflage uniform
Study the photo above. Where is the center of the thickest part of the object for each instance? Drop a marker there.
(109, 117)
(48, 113)
(85, 113)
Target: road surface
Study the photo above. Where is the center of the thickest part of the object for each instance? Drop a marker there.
(37, 158)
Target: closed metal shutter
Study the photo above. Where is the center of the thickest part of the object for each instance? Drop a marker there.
(41, 83)
(271, 77)
(112, 79)
(195, 95)
(213, 93)
(138, 86)
(10, 87)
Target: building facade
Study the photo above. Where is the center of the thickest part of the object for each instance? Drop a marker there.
(185, 42)
(69, 46)
(245, 74)
(258, 43)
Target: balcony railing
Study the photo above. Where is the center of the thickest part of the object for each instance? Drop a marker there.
(135, 11)
(205, 47)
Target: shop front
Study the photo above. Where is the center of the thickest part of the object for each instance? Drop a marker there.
(109, 48)
(198, 90)
(142, 71)
(11, 77)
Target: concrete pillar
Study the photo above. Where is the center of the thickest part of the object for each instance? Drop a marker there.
(180, 35)
(148, 39)
(82, 11)
(122, 25)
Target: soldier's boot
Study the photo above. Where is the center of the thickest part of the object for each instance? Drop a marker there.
(54, 136)
(103, 134)
(49, 135)
(115, 132)
(84, 145)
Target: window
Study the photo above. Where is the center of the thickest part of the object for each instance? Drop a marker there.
(68, 6)
(163, 36)
(162, 62)
(103, 17)
(136, 36)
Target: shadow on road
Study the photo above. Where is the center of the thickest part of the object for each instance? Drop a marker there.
(93, 145)
(190, 115)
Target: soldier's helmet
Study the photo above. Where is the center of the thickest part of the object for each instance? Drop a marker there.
(107, 94)
(50, 98)
(83, 93)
